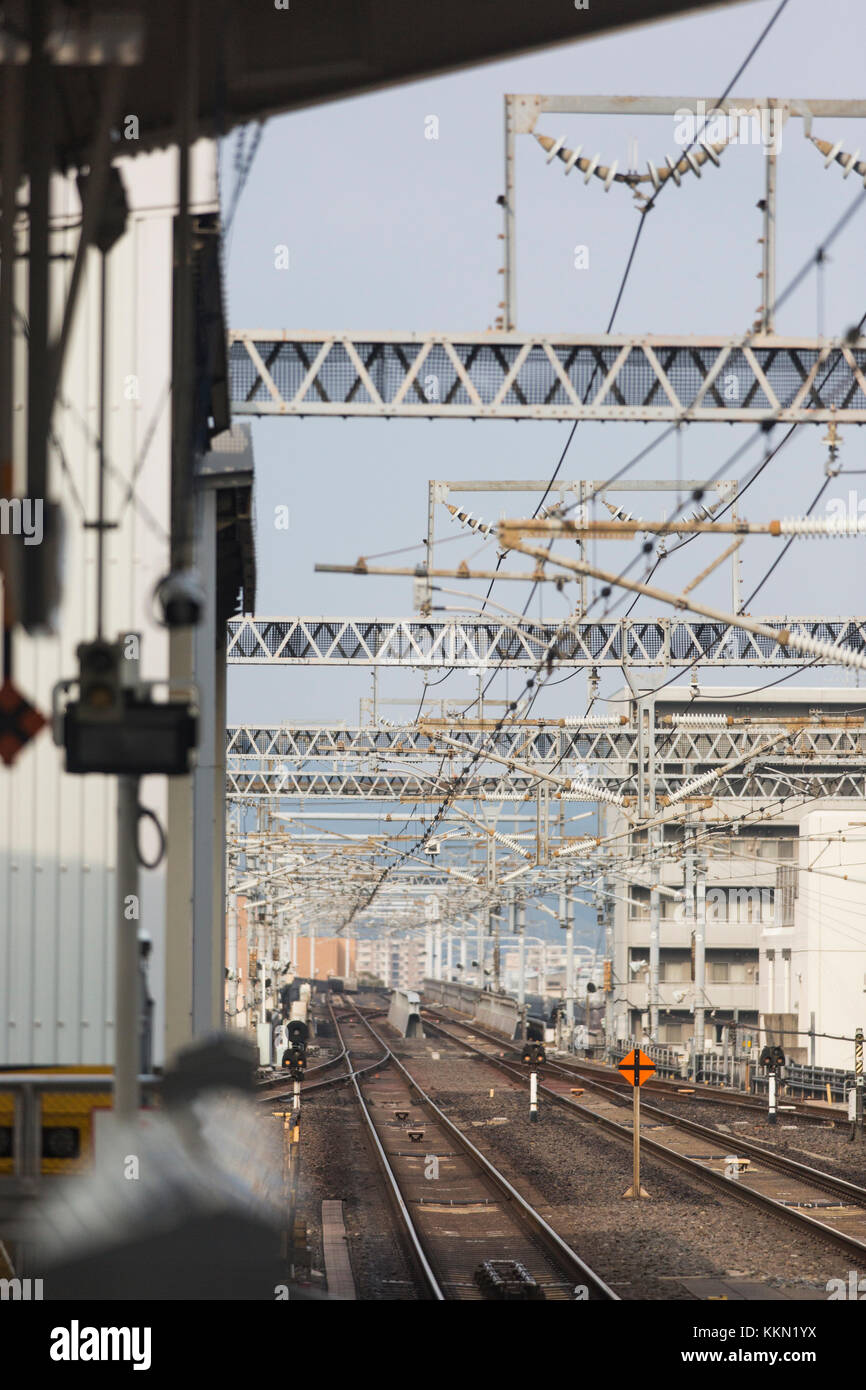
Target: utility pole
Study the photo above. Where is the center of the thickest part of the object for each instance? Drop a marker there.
(493, 920)
(568, 908)
(689, 899)
(127, 1009)
(700, 958)
(521, 956)
(655, 914)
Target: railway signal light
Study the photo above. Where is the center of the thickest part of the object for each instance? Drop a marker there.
(772, 1059)
(295, 1059)
(533, 1055)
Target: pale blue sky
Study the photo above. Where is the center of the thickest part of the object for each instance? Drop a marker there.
(389, 230)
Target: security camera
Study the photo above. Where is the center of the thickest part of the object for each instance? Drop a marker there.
(181, 599)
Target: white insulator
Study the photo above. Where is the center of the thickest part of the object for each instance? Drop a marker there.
(591, 721)
(833, 153)
(512, 844)
(610, 176)
(594, 793)
(654, 175)
(675, 174)
(579, 847)
(696, 785)
(701, 513)
(458, 873)
(572, 159)
(590, 170)
(710, 153)
(851, 163)
(692, 721)
(813, 647)
(695, 167)
(555, 148)
(828, 526)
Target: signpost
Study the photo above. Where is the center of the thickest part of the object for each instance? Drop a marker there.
(534, 1057)
(636, 1068)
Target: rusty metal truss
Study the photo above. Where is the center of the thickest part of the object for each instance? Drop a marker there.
(484, 643)
(514, 376)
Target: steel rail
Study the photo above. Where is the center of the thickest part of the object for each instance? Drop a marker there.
(848, 1244)
(540, 1228)
(667, 1087)
(429, 1277)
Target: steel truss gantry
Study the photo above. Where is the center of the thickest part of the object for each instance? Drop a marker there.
(546, 376)
(825, 756)
(495, 642)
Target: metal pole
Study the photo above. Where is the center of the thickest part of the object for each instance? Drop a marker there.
(521, 954)
(700, 958)
(655, 915)
(126, 975)
(186, 91)
(313, 953)
(858, 1080)
(509, 313)
(40, 132)
(232, 962)
(635, 1178)
(771, 1094)
(609, 950)
(811, 1040)
(11, 133)
(769, 248)
(494, 926)
(533, 1096)
(569, 974)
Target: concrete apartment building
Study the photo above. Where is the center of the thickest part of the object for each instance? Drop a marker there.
(397, 961)
(786, 906)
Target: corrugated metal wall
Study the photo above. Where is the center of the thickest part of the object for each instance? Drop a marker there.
(57, 835)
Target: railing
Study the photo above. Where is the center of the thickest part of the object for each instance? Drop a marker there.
(716, 1069)
(811, 1082)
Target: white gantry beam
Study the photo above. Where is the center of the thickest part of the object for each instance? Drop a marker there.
(517, 376)
(819, 758)
(486, 643)
(546, 741)
(770, 780)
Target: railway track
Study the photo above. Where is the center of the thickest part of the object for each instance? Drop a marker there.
(471, 1233)
(827, 1206)
(278, 1087)
(810, 1111)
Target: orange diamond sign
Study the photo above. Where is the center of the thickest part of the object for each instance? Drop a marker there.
(636, 1067)
(19, 722)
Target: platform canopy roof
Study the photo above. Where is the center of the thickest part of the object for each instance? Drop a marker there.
(259, 59)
